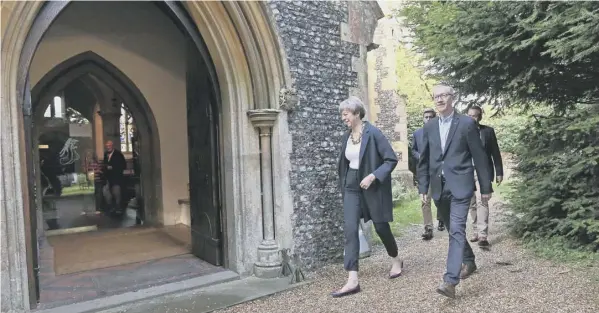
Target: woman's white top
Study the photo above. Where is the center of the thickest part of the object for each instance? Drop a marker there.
(352, 154)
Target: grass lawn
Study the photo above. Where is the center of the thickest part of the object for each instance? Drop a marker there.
(556, 249)
(552, 248)
(407, 213)
(76, 190)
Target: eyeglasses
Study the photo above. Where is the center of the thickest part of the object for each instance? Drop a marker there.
(442, 96)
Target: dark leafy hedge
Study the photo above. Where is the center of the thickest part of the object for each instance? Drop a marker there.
(557, 187)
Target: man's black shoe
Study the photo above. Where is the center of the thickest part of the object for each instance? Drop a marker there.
(428, 233)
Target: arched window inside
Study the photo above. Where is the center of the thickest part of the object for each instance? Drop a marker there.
(56, 108)
(127, 127)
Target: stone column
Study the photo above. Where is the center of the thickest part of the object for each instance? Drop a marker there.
(111, 115)
(269, 262)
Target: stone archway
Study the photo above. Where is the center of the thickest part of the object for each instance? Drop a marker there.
(252, 74)
(89, 62)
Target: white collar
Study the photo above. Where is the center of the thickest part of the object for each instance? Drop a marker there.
(446, 119)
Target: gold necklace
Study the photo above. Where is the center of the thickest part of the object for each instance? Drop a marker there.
(357, 141)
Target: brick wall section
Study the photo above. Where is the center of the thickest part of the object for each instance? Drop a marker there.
(320, 65)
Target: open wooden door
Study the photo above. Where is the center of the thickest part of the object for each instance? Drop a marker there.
(31, 207)
(206, 232)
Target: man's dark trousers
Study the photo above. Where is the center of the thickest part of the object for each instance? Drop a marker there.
(454, 213)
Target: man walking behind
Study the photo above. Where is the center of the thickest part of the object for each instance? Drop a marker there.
(427, 214)
(450, 143)
(480, 212)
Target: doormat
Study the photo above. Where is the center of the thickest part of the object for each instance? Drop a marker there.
(88, 251)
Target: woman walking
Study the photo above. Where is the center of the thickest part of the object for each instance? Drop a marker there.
(365, 165)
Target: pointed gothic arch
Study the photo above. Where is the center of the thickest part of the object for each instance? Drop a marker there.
(90, 63)
(252, 73)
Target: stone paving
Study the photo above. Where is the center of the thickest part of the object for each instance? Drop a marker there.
(509, 279)
(76, 287)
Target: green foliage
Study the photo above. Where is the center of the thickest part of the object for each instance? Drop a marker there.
(556, 190)
(502, 191)
(406, 212)
(75, 117)
(556, 248)
(509, 123)
(403, 191)
(414, 87)
(538, 55)
(500, 52)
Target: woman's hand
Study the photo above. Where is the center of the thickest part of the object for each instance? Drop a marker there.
(367, 181)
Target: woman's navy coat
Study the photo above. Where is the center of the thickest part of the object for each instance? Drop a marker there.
(376, 157)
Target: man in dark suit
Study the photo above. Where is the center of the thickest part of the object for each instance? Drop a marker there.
(114, 165)
(480, 214)
(450, 143)
(426, 206)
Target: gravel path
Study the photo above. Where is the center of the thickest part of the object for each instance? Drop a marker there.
(508, 279)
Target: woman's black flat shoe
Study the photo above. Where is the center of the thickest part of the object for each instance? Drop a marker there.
(338, 294)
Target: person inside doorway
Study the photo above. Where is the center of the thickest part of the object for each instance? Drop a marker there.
(114, 165)
(50, 171)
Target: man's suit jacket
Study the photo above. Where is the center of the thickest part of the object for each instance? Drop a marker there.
(487, 136)
(463, 145)
(417, 143)
(115, 175)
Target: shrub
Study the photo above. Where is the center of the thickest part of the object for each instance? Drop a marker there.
(509, 123)
(403, 190)
(556, 190)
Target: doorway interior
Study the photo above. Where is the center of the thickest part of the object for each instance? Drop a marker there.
(70, 133)
(86, 251)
